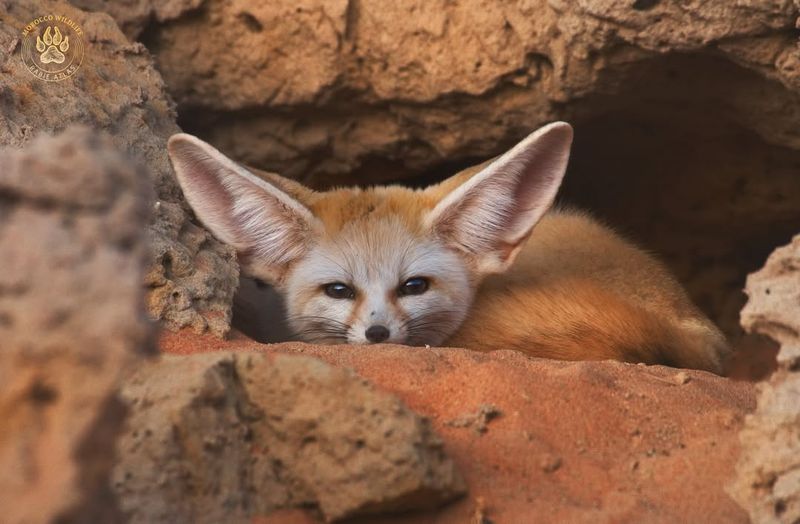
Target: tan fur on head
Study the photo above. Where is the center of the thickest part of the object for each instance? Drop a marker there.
(572, 289)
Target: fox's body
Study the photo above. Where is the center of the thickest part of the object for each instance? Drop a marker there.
(578, 291)
(459, 263)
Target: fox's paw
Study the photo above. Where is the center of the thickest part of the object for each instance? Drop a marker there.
(52, 47)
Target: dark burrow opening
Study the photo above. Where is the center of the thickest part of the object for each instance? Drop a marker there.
(671, 160)
(711, 202)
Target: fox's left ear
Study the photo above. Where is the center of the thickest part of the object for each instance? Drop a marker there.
(489, 216)
(264, 220)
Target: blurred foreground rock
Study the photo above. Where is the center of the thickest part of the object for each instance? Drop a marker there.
(72, 217)
(553, 441)
(191, 276)
(769, 469)
(244, 434)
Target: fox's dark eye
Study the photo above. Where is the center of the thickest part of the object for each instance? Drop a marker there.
(414, 286)
(339, 290)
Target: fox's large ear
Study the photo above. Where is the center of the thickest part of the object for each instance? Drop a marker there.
(268, 227)
(489, 216)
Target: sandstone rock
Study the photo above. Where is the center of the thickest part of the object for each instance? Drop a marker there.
(768, 482)
(245, 434)
(573, 441)
(192, 276)
(324, 88)
(72, 255)
(133, 16)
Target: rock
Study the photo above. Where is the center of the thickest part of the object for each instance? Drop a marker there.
(768, 482)
(191, 277)
(324, 89)
(72, 255)
(246, 434)
(576, 441)
(479, 420)
(774, 301)
(133, 16)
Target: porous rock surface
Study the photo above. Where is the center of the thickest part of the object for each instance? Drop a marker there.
(245, 434)
(768, 482)
(134, 16)
(72, 215)
(191, 277)
(549, 440)
(321, 89)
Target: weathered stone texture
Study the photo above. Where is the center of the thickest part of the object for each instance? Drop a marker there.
(768, 482)
(245, 434)
(133, 16)
(192, 276)
(72, 215)
(361, 90)
(564, 441)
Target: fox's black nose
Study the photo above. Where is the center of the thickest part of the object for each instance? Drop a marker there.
(377, 333)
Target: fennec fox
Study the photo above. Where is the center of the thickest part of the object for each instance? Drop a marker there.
(458, 263)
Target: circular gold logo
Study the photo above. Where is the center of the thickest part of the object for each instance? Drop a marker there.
(52, 47)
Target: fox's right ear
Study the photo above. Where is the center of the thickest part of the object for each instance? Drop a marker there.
(268, 227)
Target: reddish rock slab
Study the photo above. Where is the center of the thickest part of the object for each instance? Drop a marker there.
(555, 441)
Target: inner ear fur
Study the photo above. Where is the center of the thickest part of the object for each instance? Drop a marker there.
(489, 211)
(261, 216)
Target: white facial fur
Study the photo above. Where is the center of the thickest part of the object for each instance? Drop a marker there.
(375, 261)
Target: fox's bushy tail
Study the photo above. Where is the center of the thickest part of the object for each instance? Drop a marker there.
(578, 320)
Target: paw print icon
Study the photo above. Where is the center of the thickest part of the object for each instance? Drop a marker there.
(52, 46)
